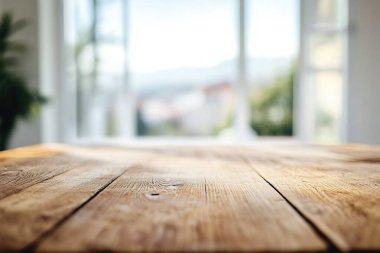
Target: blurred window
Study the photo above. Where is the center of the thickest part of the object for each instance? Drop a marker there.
(171, 67)
(272, 52)
(182, 58)
(324, 38)
(156, 68)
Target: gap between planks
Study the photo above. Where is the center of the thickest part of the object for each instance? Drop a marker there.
(331, 247)
(33, 245)
(338, 196)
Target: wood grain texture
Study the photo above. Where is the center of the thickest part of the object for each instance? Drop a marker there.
(25, 173)
(340, 196)
(24, 167)
(183, 204)
(190, 198)
(25, 216)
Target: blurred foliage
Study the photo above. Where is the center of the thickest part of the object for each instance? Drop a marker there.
(272, 107)
(17, 100)
(227, 124)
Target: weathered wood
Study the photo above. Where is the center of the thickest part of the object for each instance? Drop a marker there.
(207, 198)
(183, 204)
(27, 215)
(23, 170)
(37, 151)
(358, 153)
(339, 196)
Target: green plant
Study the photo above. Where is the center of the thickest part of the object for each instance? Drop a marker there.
(17, 100)
(272, 107)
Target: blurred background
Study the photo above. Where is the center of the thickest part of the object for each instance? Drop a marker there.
(200, 70)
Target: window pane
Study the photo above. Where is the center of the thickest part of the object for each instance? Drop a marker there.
(183, 65)
(272, 43)
(100, 63)
(326, 50)
(328, 105)
(327, 12)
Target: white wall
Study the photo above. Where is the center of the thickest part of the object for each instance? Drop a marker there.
(27, 132)
(363, 96)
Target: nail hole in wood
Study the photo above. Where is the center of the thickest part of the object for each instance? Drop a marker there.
(152, 195)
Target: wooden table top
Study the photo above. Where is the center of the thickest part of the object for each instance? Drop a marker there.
(180, 198)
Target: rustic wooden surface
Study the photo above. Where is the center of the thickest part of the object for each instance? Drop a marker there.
(280, 198)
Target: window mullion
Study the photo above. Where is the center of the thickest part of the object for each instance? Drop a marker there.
(242, 115)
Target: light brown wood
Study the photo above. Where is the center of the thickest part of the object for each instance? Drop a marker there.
(190, 198)
(24, 170)
(27, 215)
(183, 204)
(340, 196)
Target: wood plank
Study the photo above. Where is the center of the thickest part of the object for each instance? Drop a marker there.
(37, 151)
(358, 153)
(187, 204)
(341, 197)
(27, 215)
(25, 167)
